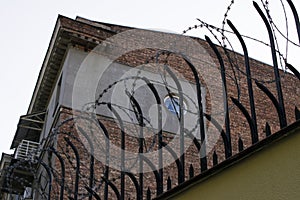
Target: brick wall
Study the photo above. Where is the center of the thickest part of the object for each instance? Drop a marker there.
(235, 78)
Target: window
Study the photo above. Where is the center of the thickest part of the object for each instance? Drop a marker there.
(172, 104)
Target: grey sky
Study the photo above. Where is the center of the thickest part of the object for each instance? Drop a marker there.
(27, 25)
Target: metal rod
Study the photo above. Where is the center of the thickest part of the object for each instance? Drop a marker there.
(249, 79)
(62, 167)
(203, 157)
(50, 178)
(273, 99)
(223, 75)
(107, 158)
(254, 137)
(93, 193)
(140, 119)
(294, 70)
(160, 141)
(181, 121)
(113, 187)
(177, 161)
(77, 166)
(91, 145)
(136, 184)
(155, 172)
(276, 70)
(228, 153)
(122, 151)
(292, 6)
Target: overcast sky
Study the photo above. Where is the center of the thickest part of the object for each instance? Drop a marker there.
(27, 25)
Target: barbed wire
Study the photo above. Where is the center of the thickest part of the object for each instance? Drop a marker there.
(212, 29)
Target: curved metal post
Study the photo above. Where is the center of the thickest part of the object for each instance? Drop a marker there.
(203, 157)
(177, 161)
(160, 141)
(93, 193)
(294, 70)
(77, 166)
(113, 187)
(155, 172)
(292, 6)
(272, 98)
(223, 135)
(135, 182)
(223, 75)
(254, 137)
(62, 165)
(107, 158)
(249, 80)
(92, 159)
(276, 71)
(122, 147)
(140, 118)
(50, 178)
(181, 121)
(195, 141)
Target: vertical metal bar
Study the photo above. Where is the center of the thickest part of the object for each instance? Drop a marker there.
(27, 146)
(160, 147)
(62, 165)
(140, 119)
(215, 159)
(248, 117)
(135, 182)
(107, 158)
(191, 171)
(181, 122)
(241, 144)
(294, 70)
(113, 187)
(91, 181)
(77, 167)
(203, 158)
(94, 194)
(160, 141)
(92, 160)
(268, 129)
(282, 119)
(106, 175)
(148, 194)
(123, 149)
(177, 161)
(169, 183)
(50, 178)
(297, 113)
(154, 170)
(292, 6)
(223, 75)
(249, 80)
(272, 98)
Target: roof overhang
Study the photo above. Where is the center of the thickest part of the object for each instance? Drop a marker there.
(29, 128)
(67, 33)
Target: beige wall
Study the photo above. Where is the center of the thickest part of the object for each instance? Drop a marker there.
(272, 173)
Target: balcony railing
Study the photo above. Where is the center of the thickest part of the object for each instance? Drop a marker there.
(26, 150)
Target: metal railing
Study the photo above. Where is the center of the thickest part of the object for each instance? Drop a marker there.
(86, 171)
(26, 150)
